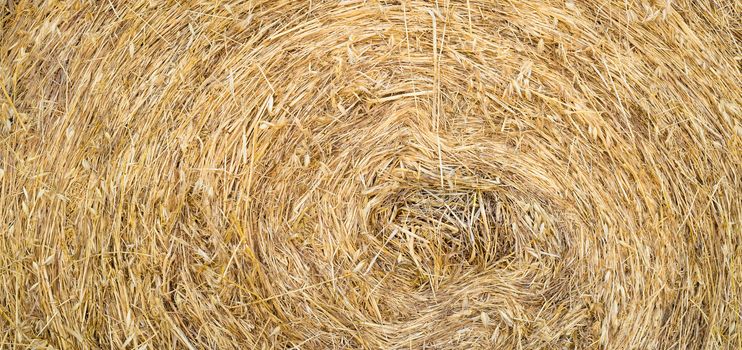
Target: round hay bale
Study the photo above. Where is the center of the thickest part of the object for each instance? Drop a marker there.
(370, 174)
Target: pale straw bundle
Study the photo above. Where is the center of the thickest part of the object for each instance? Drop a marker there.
(370, 174)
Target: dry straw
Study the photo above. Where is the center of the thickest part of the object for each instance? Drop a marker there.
(370, 174)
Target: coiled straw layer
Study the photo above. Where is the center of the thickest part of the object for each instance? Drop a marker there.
(370, 174)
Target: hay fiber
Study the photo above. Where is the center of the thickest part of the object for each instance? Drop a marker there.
(463, 174)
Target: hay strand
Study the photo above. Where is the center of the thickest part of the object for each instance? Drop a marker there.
(370, 174)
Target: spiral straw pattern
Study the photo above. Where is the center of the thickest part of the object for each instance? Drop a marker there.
(370, 174)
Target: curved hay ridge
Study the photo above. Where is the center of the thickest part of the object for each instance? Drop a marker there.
(370, 174)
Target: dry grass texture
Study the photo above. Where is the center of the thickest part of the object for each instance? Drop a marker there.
(370, 174)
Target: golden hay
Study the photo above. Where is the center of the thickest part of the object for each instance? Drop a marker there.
(370, 174)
